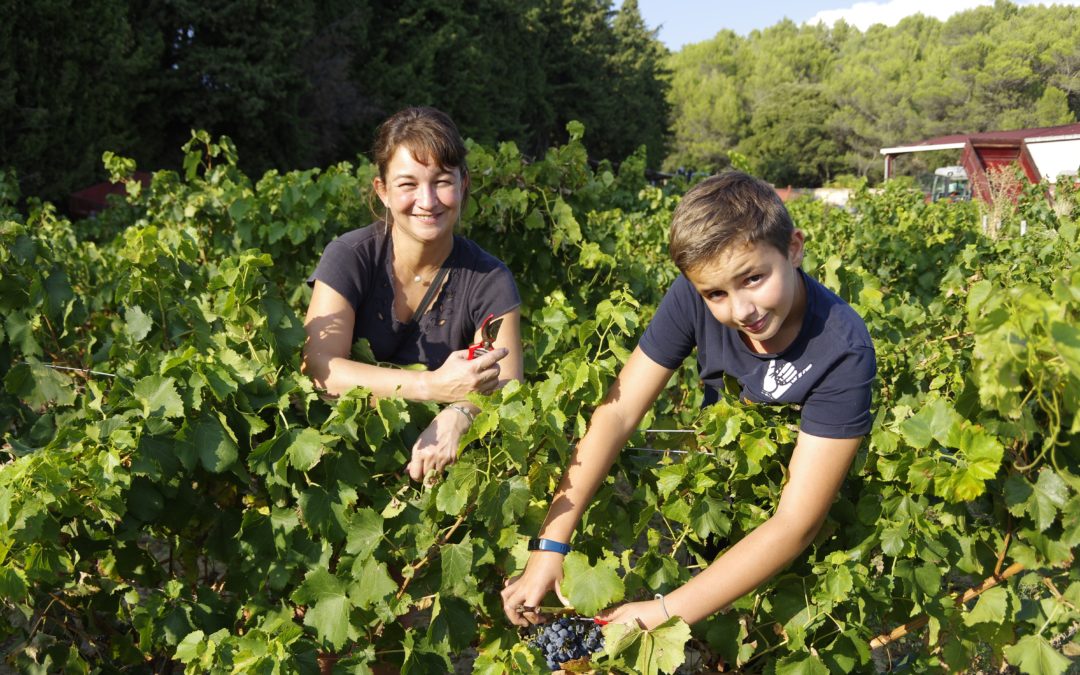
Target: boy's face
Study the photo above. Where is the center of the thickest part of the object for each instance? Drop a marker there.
(756, 290)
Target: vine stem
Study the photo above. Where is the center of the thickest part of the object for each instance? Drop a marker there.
(920, 621)
(41, 617)
(1001, 556)
(427, 556)
(955, 335)
(1057, 594)
(424, 561)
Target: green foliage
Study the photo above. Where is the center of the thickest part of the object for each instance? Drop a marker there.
(304, 83)
(807, 102)
(183, 497)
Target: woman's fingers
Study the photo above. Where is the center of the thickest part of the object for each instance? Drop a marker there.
(416, 469)
(459, 376)
(431, 454)
(487, 370)
(490, 359)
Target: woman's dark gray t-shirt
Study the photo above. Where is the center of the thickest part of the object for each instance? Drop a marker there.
(358, 266)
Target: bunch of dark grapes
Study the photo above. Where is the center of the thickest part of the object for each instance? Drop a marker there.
(566, 639)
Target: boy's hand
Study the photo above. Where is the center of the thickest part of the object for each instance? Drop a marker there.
(542, 573)
(647, 615)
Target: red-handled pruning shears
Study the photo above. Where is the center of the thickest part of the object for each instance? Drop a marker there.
(561, 611)
(489, 330)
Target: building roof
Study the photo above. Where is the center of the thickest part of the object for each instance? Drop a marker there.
(93, 199)
(1008, 137)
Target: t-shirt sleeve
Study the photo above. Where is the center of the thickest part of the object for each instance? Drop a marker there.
(670, 336)
(343, 269)
(497, 294)
(839, 406)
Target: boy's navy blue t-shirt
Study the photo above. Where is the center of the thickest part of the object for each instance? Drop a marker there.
(828, 369)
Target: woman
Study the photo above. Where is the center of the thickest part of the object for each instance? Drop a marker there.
(416, 291)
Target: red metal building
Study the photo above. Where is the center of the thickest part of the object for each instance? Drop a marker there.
(1043, 153)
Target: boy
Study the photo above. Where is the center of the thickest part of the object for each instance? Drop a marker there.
(751, 312)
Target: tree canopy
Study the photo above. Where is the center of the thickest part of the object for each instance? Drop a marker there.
(302, 83)
(805, 103)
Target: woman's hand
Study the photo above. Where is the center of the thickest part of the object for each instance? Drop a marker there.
(458, 376)
(542, 573)
(437, 446)
(647, 615)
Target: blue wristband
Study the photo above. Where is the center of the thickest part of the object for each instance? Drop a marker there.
(548, 545)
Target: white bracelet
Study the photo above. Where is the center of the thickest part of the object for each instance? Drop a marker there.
(660, 597)
(464, 411)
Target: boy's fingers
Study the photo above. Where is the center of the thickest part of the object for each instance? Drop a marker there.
(559, 595)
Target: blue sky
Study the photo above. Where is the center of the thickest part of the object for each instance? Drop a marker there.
(686, 21)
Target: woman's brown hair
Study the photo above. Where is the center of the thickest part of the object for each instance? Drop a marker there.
(429, 134)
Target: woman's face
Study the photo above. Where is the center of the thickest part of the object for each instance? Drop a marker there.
(424, 200)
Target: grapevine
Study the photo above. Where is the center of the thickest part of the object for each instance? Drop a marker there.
(176, 496)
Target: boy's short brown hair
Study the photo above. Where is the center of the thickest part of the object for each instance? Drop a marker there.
(726, 210)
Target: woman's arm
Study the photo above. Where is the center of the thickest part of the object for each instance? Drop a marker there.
(438, 445)
(817, 468)
(329, 325)
(634, 391)
(509, 338)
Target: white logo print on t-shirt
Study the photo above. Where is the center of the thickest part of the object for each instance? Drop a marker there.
(776, 383)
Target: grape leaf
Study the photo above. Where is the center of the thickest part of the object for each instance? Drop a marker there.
(12, 584)
(934, 421)
(1067, 342)
(216, 448)
(893, 540)
(457, 562)
(305, 448)
(328, 606)
(1034, 655)
(158, 396)
(837, 585)
(373, 583)
(928, 579)
(1017, 493)
(452, 622)
(137, 323)
(364, 533)
(661, 649)
(454, 492)
(591, 589)
(191, 647)
(990, 608)
(1050, 495)
(801, 664)
(38, 385)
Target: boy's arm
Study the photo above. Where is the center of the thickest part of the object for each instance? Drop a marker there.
(634, 391)
(817, 468)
